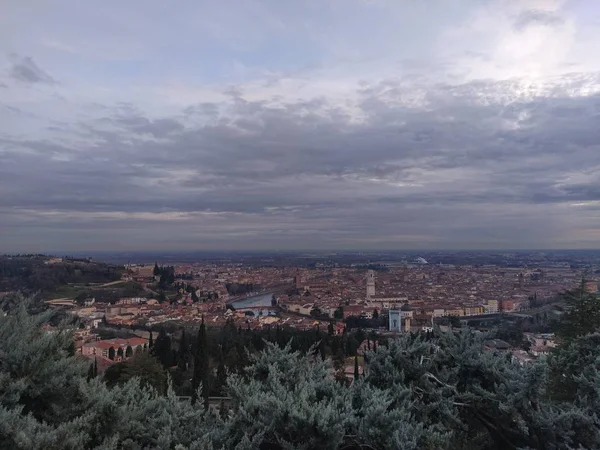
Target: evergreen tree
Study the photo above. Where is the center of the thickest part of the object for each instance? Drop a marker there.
(438, 392)
(151, 340)
(142, 366)
(162, 349)
(338, 313)
(156, 270)
(582, 316)
(90, 374)
(111, 353)
(201, 367)
(356, 374)
(182, 354)
(128, 352)
(221, 373)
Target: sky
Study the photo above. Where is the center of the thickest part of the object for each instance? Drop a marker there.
(313, 124)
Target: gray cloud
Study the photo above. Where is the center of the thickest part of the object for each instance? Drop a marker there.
(537, 17)
(24, 69)
(465, 158)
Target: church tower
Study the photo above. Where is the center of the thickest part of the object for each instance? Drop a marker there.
(370, 284)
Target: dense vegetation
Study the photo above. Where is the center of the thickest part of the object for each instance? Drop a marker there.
(31, 274)
(418, 392)
(228, 350)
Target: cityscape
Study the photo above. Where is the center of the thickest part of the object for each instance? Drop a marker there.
(403, 293)
(300, 225)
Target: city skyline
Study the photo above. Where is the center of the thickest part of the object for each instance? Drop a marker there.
(262, 125)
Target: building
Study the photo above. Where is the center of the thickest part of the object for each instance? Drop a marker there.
(370, 284)
(492, 307)
(395, 320)
(119, 347)
(473, 310)
(591, 287)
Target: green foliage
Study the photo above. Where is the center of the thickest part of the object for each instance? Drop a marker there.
(511, 334)
(288, 400)
(142, 366)
(31, 274)
(442, 391)
(46, 401)
(200, 381)
(162, 349)
(338, 313)
(582, 316)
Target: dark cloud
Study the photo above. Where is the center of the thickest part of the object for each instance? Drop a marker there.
(24, 69)
(537, 17)
(440, 164)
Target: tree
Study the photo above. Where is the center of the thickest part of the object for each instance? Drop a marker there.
(90, 372)
(566, 363)
(356, 374)
(111, 353)
(375, 314)
(182, 354)
(162, 349)
(455, 322)
(129, 351)
(156, 271)
(316, 311)
(582, 316)
(330, 329)
(338, 313)
(120, 352)
(143, 366)
(201, 367)
(221, 378)
(443, 393)
(151, 340)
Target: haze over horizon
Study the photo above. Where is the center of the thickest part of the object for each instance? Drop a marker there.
(333, 124)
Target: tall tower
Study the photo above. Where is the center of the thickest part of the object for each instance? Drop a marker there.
(370, 284)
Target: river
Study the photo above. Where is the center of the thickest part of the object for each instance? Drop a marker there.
(256, 300)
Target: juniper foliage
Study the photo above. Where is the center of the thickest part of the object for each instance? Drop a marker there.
(438, 392)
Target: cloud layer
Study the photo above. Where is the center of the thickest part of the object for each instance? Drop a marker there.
(354, 125)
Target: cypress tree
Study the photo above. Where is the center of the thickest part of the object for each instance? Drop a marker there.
(95, 367)
(162, 349)
(222, 409)
(90, 373)
(356, 374)
(221, 373)
(151, 340)
(182, 354)
(201, 367)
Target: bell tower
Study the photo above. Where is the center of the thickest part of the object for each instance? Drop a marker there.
(370, 284)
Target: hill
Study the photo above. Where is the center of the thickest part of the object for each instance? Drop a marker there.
(73, 278)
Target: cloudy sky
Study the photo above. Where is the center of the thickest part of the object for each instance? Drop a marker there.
(315, 124)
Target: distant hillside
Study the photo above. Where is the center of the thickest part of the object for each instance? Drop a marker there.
(55, 277)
